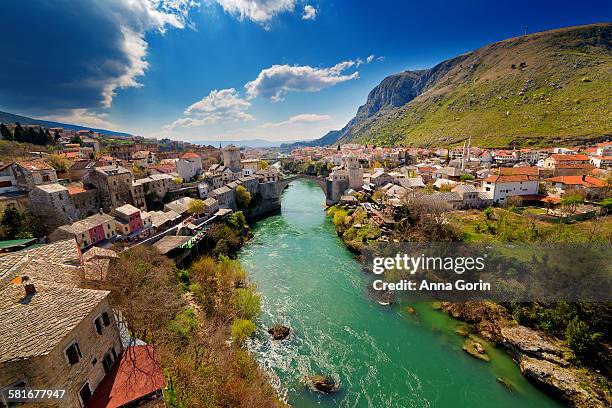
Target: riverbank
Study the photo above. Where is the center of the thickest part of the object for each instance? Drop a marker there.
(542, 359)
(197, 318)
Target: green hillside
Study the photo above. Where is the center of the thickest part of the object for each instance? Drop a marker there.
(537, 89)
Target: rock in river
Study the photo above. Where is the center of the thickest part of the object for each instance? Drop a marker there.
(279, 332)
(475, 349)
(324, 384)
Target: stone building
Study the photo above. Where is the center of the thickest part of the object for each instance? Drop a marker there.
(337, 184)
(355, 172)
(158, 184)
(267, 175)
(231, 158)
(225, 197)
(89, 231)
(84, 198)
(114, 184)
(53, 205)
(56, 337)
(31, 173)
(189, 166)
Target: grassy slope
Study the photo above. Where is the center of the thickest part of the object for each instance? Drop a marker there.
(563, 93)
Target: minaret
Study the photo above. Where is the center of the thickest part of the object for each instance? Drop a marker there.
(469, 150)
(463, 157)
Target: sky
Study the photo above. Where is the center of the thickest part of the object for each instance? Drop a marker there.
(200, 70)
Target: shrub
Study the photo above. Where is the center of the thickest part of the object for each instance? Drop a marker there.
(242, 329)
(246, 302)
(243, 198)
(581, 340)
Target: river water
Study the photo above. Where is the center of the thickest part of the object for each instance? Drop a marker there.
(382, 356)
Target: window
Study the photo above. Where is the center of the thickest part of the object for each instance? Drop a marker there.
(108, 360)
(85, 394)
(100, 321)
(3, 402)
(73, 353)
(105, 319)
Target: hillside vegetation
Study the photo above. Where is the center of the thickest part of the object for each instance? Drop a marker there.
(539, 89)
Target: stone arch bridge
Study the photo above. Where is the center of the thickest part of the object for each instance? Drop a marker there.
(322, 182)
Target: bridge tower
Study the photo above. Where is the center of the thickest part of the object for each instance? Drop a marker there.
(231, 158)
(355, 172)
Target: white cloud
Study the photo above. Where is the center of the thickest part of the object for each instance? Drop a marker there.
(134, 18)
(276, 81)
(259, 11)
(82, 117)
(303, 118)
(370, 58)
(223, 105)
(310, 13)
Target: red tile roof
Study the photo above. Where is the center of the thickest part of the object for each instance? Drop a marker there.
(574, 166)
(136, 374)
(513, 171)
(36, 164)
(508, 179)
(570, 157)
(75, 188)
(586, 181)
(190, 155)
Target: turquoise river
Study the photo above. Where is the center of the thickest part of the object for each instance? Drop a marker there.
(382, 356)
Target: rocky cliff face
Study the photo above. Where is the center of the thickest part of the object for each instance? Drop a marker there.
(536, 89)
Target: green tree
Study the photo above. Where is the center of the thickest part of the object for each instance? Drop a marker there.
(195, 207)
(59, 163)
(465, 177)
(76, 139)
(5, 132)
(572, 201)
(243, 197)
(238, 220)
(262, 164)
(18, 133)
(15, 224)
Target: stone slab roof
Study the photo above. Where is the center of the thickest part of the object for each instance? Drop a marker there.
(34, 325)
(60, 252)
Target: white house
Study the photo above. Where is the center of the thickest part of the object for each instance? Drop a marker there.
(189, 166)
(503, 187)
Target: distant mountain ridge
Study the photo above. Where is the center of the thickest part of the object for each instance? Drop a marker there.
(7, 118)
(530, 90)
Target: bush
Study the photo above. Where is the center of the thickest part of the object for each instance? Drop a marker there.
(238, 220)
(242, 329)
(581, 340)
(246, 302)
(243, 198)
(184, 323)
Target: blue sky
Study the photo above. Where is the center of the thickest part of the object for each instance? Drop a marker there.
(239, 69)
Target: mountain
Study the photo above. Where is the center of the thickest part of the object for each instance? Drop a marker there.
(7, 118)
(538, 89)
(330, 138)
(254, 143)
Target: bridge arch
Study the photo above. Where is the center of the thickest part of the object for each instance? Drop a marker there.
(321, 182)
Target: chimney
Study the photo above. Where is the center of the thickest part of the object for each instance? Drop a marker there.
(30, 289)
